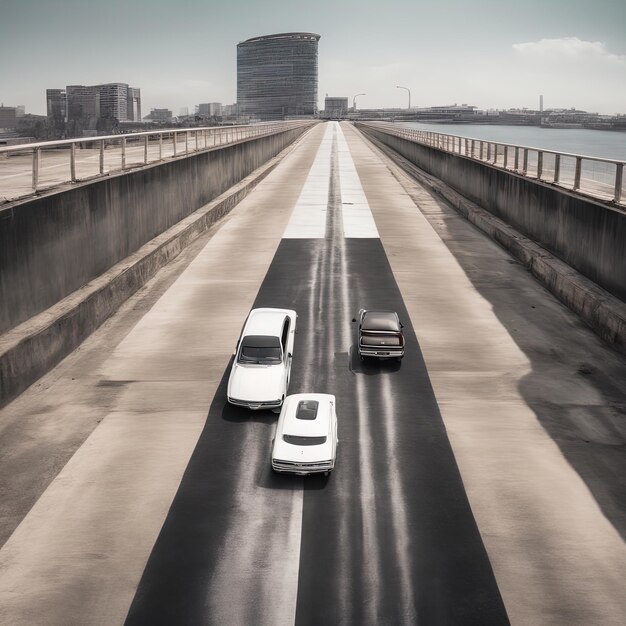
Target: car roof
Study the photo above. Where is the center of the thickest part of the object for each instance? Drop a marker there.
(266, 321)
(380, 320)
(317, 427)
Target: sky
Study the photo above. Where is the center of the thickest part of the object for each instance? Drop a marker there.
(491, 54)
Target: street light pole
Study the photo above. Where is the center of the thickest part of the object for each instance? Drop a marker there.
(399, 87)
(354, 100)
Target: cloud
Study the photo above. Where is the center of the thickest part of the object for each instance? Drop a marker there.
(568, 49)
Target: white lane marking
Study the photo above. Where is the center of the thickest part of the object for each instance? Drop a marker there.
(399, 517)
(358, 221)
(308, 220)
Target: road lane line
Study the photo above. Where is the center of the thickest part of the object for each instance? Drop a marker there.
(308, 219)
(358, 221)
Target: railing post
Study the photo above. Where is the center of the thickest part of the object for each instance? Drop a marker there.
(495, 153)
(516, 158)
(557, 167)
(619, 179)
(160, 146)
(473, 149)
(488, 152)
(481, 150)
(506, 157)
(145, 149)
(539, 163)
(174, 142)
(195, 132)
(186, 142)
(73, 162)
(36, 160)
(525, 161)
(123, 152)
(577, 172)
(101, 157)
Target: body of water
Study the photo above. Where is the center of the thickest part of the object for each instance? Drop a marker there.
(599, 143)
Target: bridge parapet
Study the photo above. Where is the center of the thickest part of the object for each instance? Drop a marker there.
(533, 214)
(29, 169)
(590, 176)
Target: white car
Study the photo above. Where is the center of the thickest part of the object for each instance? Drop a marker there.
(306, 435)
(262, 365)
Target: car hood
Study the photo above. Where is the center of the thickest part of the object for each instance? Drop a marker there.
(284, 451)
(256, 383)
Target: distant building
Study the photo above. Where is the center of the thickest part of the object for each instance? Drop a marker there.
(183, 112)
(229, 110)
(133, 108)
(56, 104)
(83, 107)
(277, 76)
(20, 110)
(120, 102)
(89, 108)
(159, 115)
(8, 117)
(210, 109)
(335, 107)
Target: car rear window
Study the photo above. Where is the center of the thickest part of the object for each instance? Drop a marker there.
(380, 340)
(299, 440)
(307, 409)
(260, 349)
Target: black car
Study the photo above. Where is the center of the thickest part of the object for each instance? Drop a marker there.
(380, 334)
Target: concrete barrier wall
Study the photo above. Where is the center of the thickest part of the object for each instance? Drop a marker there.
(589, 236)
(55, 244)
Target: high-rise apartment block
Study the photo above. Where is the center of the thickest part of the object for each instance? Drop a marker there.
(277, 76)
(56, 104)
(85, 106)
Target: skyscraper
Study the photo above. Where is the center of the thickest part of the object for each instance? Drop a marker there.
(277, 75)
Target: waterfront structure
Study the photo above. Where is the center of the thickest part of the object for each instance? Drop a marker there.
(277, 76)
(335, 107)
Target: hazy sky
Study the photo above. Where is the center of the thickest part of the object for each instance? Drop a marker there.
(493, 54)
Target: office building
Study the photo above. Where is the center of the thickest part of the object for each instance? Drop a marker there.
(8, 117)
(159, 115)
(210, 109)
(56, 104)
(277, 76)
(335, 108)
(83, 107)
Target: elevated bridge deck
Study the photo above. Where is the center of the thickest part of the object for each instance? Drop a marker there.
(479, 481)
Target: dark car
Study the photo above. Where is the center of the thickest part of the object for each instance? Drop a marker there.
(380, 335)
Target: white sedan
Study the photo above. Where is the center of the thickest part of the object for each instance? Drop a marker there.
(306, 435)
(259, 377)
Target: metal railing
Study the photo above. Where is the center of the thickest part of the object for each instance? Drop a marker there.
(30, 168)
(592, 176)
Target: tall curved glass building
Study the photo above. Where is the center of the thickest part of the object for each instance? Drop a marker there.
(277, 75)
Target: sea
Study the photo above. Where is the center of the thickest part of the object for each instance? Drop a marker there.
(606, 144)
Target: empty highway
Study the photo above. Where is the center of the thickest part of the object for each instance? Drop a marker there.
(479, 481)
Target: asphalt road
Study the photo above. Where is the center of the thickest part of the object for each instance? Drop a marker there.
(389, 538)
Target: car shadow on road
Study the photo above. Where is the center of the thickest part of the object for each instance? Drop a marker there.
(371, 366)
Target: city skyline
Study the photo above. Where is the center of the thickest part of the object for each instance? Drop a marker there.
(497, 56)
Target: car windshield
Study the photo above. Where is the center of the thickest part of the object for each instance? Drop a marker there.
(299, 440)
(260, 349)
